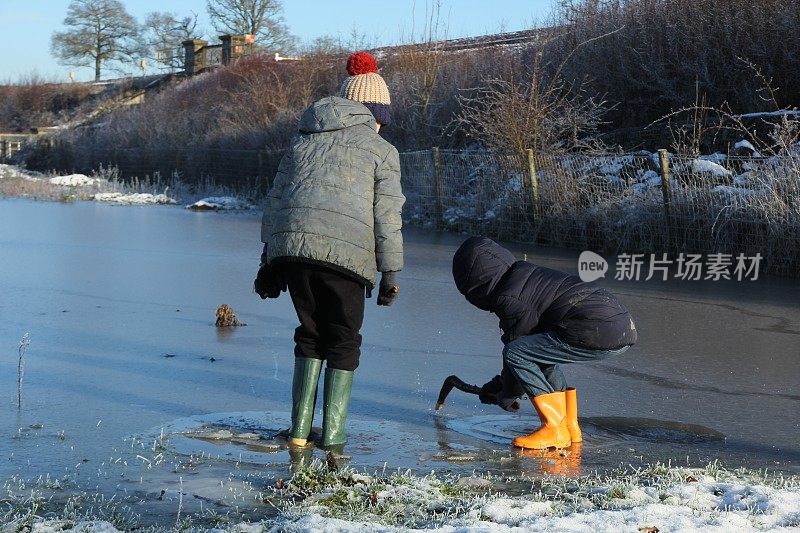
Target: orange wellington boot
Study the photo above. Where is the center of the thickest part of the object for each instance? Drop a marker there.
(552, 410)
(572, 415)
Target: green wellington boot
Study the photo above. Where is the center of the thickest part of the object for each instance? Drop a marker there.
(338, 384)
(304, 398)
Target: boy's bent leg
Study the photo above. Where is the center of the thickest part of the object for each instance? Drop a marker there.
(536, 359)
(533, 360)
(554, 376)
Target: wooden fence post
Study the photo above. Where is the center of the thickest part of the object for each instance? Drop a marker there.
(666, 191)
(437, 182)
(534, 177)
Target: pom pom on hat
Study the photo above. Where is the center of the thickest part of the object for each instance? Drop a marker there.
(361, 63)
(365, 85)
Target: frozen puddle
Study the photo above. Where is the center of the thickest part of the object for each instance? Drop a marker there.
(598, 431)
(258, 438)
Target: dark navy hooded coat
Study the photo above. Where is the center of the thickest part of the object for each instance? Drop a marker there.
(531, 299)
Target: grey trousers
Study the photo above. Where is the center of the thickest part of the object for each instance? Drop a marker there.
(534, 361)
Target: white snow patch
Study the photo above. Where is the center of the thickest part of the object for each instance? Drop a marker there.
(133, 199)
(13, 171)
(57, 526)
(779, 113)
(74, 180)
(220, 203)
(688, 507)
(747, 146)
(703, 165)
(513, 511)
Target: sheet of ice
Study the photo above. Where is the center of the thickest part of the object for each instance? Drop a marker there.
(220, 203)
(74, 180)
(139, 354)
(134, 198)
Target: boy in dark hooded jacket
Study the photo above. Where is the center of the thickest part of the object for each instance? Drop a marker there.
(547, 318)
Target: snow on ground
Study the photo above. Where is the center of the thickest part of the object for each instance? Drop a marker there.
(700, 166)
(13, 171)
(75, 180)
(746, 145)
(692, 501)
(220, 203)
(133, 198)
(53, 526)
(705, 505)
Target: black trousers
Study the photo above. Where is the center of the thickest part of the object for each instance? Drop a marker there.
(330, 306)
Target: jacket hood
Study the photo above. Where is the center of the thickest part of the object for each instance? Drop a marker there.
(478, 265)
(334, 113)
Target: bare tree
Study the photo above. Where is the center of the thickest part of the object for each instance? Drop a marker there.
(98, 31)
(261, 18)
(535, 110)
(165, 32)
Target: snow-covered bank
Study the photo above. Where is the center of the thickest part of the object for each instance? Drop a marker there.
(220, 203)
(108, 188)
(133, 198)
(75, 180)
(657, 499)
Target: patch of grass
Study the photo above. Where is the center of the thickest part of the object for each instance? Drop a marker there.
(404, 499)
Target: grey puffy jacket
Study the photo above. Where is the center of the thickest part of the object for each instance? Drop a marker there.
(337, 199)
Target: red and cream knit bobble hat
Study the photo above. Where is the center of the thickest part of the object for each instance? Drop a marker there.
(365, 85)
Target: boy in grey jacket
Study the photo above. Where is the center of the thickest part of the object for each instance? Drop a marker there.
(332, 221)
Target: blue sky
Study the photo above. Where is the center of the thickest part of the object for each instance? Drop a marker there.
(26, 25)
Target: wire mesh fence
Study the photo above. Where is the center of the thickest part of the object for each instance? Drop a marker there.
(621, 204)
(613, 203)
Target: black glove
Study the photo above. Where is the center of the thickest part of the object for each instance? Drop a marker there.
(490, 391)
(269, 283)
(502, 390)
(388, 289)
